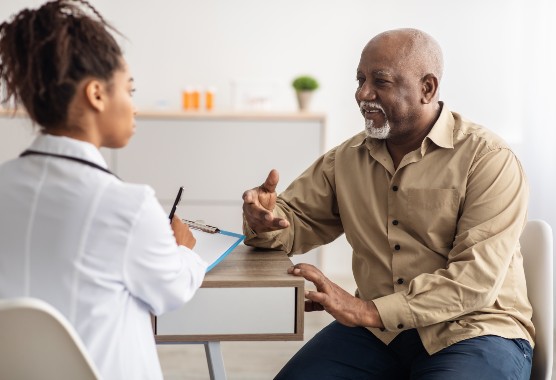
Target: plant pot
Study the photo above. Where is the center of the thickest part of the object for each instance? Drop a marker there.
(303, 99)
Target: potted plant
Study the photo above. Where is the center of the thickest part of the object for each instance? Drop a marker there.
(304, 86)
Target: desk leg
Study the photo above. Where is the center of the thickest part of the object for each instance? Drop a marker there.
(215, 361)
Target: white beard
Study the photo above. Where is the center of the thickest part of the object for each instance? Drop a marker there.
(380, 133)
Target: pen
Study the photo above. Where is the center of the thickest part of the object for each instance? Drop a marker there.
(176, 202)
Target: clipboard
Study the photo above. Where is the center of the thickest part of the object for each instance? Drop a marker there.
(213, 244)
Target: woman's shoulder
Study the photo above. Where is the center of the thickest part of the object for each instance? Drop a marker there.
(129, 196)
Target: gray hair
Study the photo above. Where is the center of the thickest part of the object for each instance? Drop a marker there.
(418, 48)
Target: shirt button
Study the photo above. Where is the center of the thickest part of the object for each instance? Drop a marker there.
(400, 281)
(397, 247)
(382, 329)
(395, 222)
(400, 326)
(395, 188)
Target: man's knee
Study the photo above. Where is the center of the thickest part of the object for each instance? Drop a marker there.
(484, 357)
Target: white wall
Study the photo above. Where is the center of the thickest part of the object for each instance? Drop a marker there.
(499, 58)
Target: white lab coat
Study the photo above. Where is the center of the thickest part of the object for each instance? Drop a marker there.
(99, 250)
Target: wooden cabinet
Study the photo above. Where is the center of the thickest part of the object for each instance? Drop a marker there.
(248, 296)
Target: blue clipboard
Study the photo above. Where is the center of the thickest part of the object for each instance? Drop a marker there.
(213, 244)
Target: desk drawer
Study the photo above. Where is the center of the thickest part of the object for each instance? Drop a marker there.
(238, 313)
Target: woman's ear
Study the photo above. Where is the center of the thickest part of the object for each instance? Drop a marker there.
(429, 88)
(95, 94)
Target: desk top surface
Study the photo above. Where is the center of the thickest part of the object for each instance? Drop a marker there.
(249, 267)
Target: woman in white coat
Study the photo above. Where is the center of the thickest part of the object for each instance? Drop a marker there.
(100, 250)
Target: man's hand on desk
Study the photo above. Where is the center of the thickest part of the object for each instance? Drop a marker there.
(258, 204)
(345, 308)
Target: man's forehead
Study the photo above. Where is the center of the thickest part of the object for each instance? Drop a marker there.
(378, 65)
(377, 72)
(383, 73)
(380, 61)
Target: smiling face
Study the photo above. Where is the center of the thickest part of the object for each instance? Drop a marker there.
(392, 91)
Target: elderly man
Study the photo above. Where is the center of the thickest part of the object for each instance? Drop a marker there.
(433, 206)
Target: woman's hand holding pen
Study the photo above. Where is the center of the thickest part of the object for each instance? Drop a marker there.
(182, 233)
(258, 204)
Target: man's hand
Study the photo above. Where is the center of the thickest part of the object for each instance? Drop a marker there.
(345, 308)
(182, 233)
(258, 204)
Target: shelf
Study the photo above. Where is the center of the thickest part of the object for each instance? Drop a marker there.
(210, 115)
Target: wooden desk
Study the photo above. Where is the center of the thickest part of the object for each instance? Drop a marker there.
(248, 296)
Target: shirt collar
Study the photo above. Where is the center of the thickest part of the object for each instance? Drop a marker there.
(361, 138)
(441, 134)
(69, 147)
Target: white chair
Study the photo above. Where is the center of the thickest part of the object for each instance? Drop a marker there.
(536, 248)
(37, 342)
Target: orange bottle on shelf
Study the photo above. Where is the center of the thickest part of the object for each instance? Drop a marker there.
(209, 99)
(195, 99)
(187, 99)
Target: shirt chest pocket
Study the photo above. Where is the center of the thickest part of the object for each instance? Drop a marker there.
(433, 215)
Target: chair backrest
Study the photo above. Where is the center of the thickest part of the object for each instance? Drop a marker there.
(37, 342)
(536, 248)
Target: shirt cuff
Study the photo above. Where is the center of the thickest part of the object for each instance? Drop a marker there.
(247, 230)
(395, 312)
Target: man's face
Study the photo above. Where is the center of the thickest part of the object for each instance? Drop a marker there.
(388, 91)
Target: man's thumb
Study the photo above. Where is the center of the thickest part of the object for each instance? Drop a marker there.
(271, 181)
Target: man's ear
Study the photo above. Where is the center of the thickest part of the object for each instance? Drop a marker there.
(95, 94)
(429, 88)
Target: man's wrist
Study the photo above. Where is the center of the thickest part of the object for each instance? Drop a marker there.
(371, 317)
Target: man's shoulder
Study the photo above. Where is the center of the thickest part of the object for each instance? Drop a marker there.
(469, 132)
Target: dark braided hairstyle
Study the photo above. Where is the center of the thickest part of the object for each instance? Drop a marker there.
(46, 52)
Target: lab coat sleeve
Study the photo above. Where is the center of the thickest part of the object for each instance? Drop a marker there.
(156, 270)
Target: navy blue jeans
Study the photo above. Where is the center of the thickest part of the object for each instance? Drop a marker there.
(340, 352)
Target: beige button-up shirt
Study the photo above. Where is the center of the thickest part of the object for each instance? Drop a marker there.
(435, 241)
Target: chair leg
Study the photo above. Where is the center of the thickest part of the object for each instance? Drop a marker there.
(215, 361)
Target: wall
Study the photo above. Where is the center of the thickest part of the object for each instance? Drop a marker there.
(499, 58)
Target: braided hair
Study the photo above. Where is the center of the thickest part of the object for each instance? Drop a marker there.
(46, 52)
